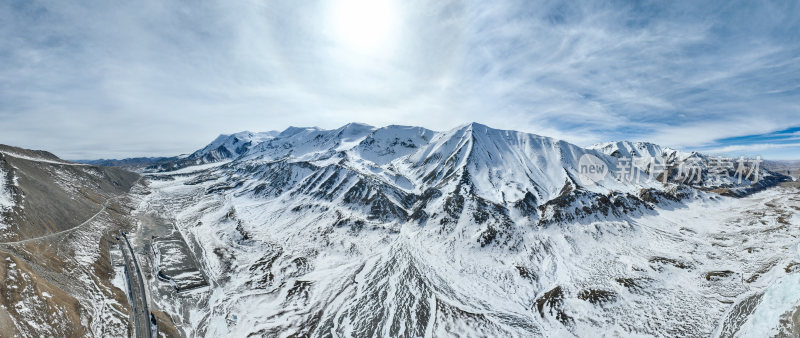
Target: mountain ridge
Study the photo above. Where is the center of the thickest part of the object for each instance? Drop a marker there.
(401, 145)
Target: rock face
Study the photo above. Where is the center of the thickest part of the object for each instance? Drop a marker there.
(56, 219)
(403, 231)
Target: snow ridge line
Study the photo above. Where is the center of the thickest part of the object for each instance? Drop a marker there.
(38, 159)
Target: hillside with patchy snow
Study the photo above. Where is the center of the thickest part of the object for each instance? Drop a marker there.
(56, 221)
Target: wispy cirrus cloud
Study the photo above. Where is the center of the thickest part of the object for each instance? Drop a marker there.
(779, 145)
(98, 79)
(744, 148)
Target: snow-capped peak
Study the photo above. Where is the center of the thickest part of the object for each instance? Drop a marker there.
(386, 144)
(291, 131)
(504, 165)
(232, 145)
(629, 149)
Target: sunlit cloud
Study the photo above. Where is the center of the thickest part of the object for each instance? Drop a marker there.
(98, 79)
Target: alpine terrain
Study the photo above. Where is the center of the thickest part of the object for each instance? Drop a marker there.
(400, 232)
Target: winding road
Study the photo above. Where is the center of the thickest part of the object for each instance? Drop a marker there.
(89, 220)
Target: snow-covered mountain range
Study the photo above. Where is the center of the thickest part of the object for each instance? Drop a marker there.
(404, 231)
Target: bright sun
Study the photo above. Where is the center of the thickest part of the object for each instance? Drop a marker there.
(365, 26)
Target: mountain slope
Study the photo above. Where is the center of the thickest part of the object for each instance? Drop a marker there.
(402, 231)
(56, 222)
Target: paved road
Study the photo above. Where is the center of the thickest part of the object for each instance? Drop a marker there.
(105, 205)
(141, 313)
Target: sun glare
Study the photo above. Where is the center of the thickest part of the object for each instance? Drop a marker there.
(365, 26)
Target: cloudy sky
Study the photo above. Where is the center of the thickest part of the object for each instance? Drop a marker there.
(89, 79)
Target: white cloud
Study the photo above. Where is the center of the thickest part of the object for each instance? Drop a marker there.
(749, 148)
(98, 79)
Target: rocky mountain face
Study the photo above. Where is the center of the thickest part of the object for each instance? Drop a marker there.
(56, 220)
(403, 231)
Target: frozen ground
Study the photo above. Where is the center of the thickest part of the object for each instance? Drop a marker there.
(283, 266)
